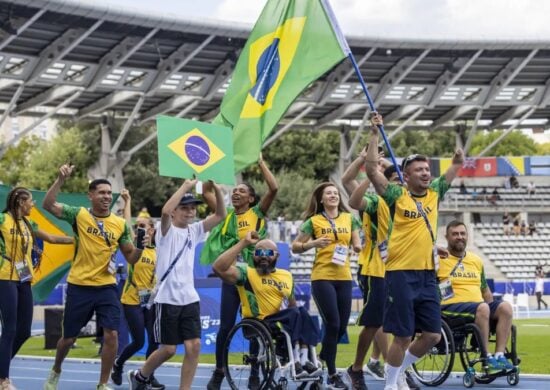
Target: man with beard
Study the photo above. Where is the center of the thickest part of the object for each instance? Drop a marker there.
(412, 301)
(465, 294)
(264, 290)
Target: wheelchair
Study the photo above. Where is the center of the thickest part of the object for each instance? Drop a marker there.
(463, 337)
(263, 349)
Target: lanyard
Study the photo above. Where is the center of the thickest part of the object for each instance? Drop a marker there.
(177, 257)
(100, 227)
(332, 225)
(457, 264)
(424, 216)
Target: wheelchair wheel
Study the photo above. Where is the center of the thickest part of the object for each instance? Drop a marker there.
(435, 366)
(513, 378)
(249, 351)
(471, 351)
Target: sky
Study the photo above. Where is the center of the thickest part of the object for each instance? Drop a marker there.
(414, 19)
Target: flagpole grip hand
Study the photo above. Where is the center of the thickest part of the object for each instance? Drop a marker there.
(458, 157)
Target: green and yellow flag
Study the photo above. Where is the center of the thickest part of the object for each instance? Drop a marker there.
(189, 148)
(293, 43)
(55, 259)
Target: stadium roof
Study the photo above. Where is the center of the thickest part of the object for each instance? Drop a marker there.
(60, 58)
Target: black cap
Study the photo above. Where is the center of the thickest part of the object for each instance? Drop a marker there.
(189, 198)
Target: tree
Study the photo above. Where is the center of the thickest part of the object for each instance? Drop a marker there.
(16, 159)
(543, 149)
(514, 144)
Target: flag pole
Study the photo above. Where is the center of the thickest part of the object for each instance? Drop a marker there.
(373, 109)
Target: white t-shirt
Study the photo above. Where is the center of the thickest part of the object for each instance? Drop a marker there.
(178, 288)
(539, 285)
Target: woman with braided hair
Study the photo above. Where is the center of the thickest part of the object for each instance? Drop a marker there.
(18, 236)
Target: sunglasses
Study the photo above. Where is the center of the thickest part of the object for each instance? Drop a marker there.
(264, 252)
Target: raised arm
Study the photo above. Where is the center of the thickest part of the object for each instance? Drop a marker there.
(351, 172)
(452, 171)
(223, 266)
(50, 200)
(303, 243)
(219, 212)
(54, 239)
(357, 200)
(127, 210)
(209, 195)
(377, 178)
(172, 203)
(272, 186)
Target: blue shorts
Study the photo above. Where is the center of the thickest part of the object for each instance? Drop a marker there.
(412, 303)
(372, 314)
(83, 301)
(467, 309)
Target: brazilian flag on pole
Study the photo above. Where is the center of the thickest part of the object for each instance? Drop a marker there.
(293, 43)
(189, 148)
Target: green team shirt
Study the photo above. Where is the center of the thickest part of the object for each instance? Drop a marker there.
(91, 261)
(410, 244)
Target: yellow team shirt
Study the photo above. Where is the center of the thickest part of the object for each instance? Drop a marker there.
(251, 220)
(467, 280)
(12, 245)
(91, 261)
(410, 245)
(263, 295)
(319, 226)
(376, 216)
(141, 276)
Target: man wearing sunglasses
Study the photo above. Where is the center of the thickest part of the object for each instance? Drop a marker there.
(412, 299)
(264, 291)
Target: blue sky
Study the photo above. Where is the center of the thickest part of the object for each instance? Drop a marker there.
(415, 19)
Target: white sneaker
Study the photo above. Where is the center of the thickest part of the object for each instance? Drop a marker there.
(52, 381)
(402, 382)
(388, 387)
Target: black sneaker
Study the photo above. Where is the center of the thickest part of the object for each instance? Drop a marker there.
(411, 382)
(311, 369)
(116, 375)
(215, 382)
(135, 383)
(300, 373)
(254, 382)
(155, 384)
(357, 379)
(335, 381)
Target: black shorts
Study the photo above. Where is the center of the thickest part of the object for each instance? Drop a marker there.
(175, 324)
(372, 314)
(83, 301)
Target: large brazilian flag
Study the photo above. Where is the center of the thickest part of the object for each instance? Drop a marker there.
(293, 43)
(56, 259)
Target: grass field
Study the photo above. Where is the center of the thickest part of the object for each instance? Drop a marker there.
(533, 348)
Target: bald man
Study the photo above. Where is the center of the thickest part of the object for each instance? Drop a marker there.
(264, 290)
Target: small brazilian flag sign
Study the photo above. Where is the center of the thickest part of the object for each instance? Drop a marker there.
(189, 148)
(293, 43)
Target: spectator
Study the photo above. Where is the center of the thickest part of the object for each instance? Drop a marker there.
(482, 195)
(539, 289)
(506, 222)
(517, 222)
(282, 227)
(523, 228)
(462, 188)
(532, 228)
(493, 197)
(531, 188)
(514, 183)
(507, 184)
(293, 230)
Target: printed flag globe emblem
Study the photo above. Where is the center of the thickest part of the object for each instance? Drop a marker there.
(196, 150)
(268, 67)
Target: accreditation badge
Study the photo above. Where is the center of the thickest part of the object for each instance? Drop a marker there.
(112, 264)
(340, 255)
(23, 271)
(383, 250)
(446, 289)
(144, 297)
